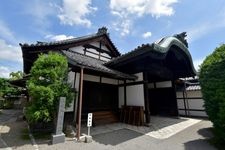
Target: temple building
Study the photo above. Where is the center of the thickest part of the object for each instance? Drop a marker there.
(131, 86)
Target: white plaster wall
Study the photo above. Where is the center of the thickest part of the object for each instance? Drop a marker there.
(196, 103)
(109, 81)
(71, 76)
(121, 82)
(78, 49)
(71, 80)
(121, 96)
(140, 76)
(135, 95)
(92, 55)
(104, 47)
(194, 93)
(198, 113)
(96, 44)
(163, 84)
(181, 112)
(191, 103)
(179, 94)
(92, 78)
(180, 104)
(104, 59)
(151, 85)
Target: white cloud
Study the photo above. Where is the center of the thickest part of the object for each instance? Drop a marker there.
(58, 37)
(128, 10)
(147, 35)
(10, 52)
(197, 63)
(40, 11)
(212, 24)
(6, 33)
(4, 72)
(75, 12)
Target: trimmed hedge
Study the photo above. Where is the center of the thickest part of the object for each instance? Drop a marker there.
(212, 80)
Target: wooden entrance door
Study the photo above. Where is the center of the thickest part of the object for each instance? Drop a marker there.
(163, 102)
(99, 97)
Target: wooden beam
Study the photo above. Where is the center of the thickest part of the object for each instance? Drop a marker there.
(125, 93)
(80, 103)
(146, 98)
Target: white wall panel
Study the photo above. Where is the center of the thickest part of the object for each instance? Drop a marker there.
(194, 93)
(198, 113)
(71, 76)
(92, 78)
(109, 81)
(121, 96)
(135, 95)
(195, 103)
(151, 85)
(179, 94)
(78, 49)
(163, 84)
(180, 104)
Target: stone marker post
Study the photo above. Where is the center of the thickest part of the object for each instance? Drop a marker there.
(59, 136)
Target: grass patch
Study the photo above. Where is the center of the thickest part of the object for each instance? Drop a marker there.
(36, 135)
(25, 134)
(42, 135)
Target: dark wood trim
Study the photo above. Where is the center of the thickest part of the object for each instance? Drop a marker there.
(175, 95)
(192, 109)
(96, 54)
(154, 84)
(131, 83)
(185, 108)
(80, 103)
(100, 79)
(125, 93)
(98, 49)
(75, 99)
(146, 98)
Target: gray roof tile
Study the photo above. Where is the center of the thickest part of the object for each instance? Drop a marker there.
(78, 59)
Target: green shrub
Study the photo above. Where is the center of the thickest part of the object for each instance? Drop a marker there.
(46, 85)
(212, 80)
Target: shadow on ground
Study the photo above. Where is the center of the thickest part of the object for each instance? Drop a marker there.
(201, 143)
(116, 137)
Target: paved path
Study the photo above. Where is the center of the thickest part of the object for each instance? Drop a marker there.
(191, 138)
(11, 131)
(193, 134)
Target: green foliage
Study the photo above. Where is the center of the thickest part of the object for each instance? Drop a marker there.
(7, 89)
(212, 80)
(16, 75)
(46, 85)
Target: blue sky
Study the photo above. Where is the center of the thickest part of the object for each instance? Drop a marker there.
(130, 23)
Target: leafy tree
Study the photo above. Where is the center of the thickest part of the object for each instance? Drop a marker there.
(16, 75)
(46, 85)
(212, 80)
(7, 89)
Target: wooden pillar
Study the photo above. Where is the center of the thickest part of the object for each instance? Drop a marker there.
(80, 103)
(125, 93)
(146, 98)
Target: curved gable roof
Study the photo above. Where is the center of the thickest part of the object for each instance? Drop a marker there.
(158, 50)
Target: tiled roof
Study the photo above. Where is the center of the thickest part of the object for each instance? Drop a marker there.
(193, 88)
(78, 59)
(99, 34)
